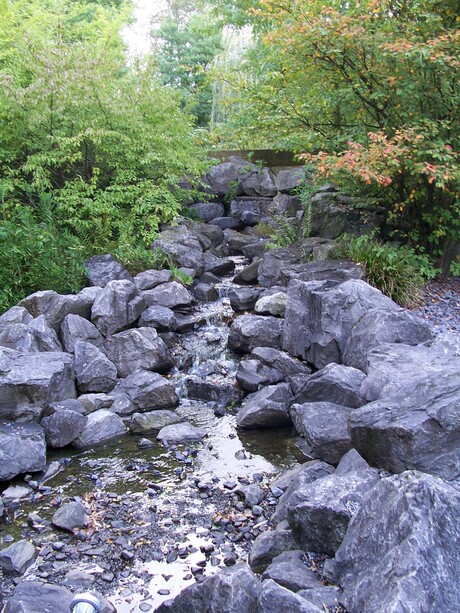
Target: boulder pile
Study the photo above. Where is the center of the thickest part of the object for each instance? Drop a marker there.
(369, 520)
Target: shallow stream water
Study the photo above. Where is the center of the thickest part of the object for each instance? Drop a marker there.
(162, 517)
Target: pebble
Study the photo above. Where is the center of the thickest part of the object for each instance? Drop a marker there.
(439, 305)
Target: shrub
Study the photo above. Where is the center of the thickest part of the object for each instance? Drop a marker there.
(396, 271)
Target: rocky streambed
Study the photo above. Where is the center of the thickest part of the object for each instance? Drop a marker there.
(285, 439)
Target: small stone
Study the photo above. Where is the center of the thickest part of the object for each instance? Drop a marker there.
(162, 592)
(257, 510)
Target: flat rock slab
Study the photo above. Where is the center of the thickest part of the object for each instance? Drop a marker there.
(22, 449)
(28, 382)
(401, 550)
(18, 557)
(178, 433)
(33, 596)
(70, 515)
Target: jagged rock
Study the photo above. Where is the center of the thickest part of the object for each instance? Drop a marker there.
(266, 408)
(275, 598)
(143, 391)
(236, 241)
(226, 223)
(56, 306)
(258, 182)
(268, 545)
(207, 211)
(36, 336)
(320, 512)
(250, 331)
(287, 180)
(148, 423)
(211, 232)
(401, 550)
(29, 383)
(379, 326)
(320, 315)
(289, 570)
(69, 516)
(15, 315)
(350, 462)
(325, 597)
(101, 269)
(93, 402)
(447, 343)
(334, 214)
(287, 205)
(322, 270)
(148, 279)
(62, 427)
(243, 298)
(32, 596)
(100, 426)
(250, 210)
(248, 274)
(205, 293)
(305, 475)
(117, 306)
(218, 266)
(324, 426)
(18, 557)
(255, 250)
(94, 371)
(140, 349)
(15, 492)
(179, 433)
(280, 360)
(231, 590)
(274, 304)
(252, 375)
(183, 246)
(334, 383)
(171, 295)
(277, 260)
(210, 391)
(75, 328)
(158, 317)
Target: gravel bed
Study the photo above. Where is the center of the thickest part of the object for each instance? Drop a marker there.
(439, 304)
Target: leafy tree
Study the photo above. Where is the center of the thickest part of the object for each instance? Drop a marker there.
(186, 44)
(103, 143)
(374, 87)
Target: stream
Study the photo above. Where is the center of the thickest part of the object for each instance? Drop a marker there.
(160, 517)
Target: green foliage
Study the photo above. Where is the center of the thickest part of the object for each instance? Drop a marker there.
(180, 276)
(396, 271)
(36, 254)
(186, 44)
(373, 88)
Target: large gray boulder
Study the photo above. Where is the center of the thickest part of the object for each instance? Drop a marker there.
(94, 371)
(267, 408)
(171, 295)
(56, 306)
(321, 314)
(336, 271)
(277, 260)
(15, 315)
(183, 246)
(272, 304)
(305, 475)
(17, 557)
(211, 232)
(139, 349)
(379, 326)
(206, 211)
(400, 552)
(232, 590)
(414, 423)
(143, 391)
(250, 331)
(154, 421)
(275, 598)
(117, 306)
(280, 360)
(100, 426)
(70, 515)
(101, 269)
(268, 545)
(180, 433)
(34, 336)
(320, 512)
(75, 328)
(241, 177)
(324, 426)
(218, 265)
(63, 427)
(243, 298)
(334, 383)
(158, 317)
(34, 596)
(22, 449)
(289, 570)
(148, 279)
(289, 179)
(28, 383)
(252, 375)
